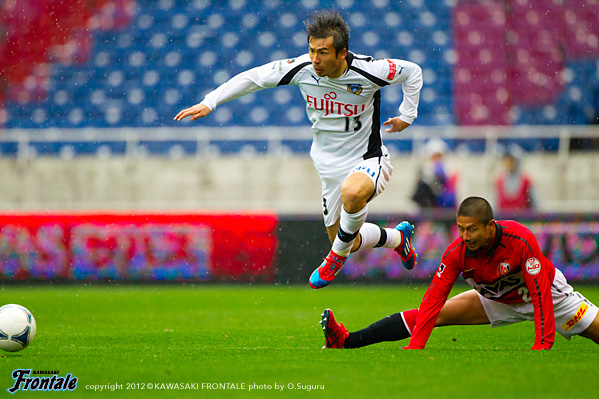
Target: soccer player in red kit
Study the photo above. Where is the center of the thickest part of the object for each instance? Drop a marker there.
(512, 281)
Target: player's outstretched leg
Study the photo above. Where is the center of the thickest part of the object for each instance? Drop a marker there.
(405, 249)
(395, 327)
(326, 272)
(334, 333)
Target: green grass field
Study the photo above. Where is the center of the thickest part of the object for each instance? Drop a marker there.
(135, 336)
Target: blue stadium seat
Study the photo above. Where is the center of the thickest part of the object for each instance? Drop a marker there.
(174, 51)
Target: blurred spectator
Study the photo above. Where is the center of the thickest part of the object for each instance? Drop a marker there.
(436, 186)
(514, 189)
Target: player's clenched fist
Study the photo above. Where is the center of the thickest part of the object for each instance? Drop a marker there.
(397, 125)
(196, 112)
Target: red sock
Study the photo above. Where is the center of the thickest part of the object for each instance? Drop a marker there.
(409, 317)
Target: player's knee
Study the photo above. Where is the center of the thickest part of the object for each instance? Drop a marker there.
(354, 197)
(349, 190)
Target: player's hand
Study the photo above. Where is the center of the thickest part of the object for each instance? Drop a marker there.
(397, 125)
(196, 112)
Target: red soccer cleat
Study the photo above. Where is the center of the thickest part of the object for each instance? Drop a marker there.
(334, 333)
(324, 274)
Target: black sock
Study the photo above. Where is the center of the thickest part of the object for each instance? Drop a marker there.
(391, 328)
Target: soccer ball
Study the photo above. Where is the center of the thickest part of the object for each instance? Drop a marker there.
(17, 328)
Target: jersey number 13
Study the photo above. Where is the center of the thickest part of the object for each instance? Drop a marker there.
(357, 124)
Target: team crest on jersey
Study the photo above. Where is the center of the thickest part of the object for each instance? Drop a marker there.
(291, 61)
(504, 268)
(354, 88)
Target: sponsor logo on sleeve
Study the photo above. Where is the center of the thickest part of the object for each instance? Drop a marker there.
(440, 270)
(392, 70)
(576, 318)
(533, 266)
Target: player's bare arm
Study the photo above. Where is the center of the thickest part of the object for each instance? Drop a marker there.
(196, 112)
(397, 125)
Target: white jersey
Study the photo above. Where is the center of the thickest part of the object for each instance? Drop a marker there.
(344, 111)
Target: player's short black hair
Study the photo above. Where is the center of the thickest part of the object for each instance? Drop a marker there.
(326, 23)
(478, 208)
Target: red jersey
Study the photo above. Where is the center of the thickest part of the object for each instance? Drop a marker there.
(511, 270)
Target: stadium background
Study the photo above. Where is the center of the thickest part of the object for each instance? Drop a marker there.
(100, 184)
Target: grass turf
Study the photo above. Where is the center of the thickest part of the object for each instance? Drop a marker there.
(139, 335)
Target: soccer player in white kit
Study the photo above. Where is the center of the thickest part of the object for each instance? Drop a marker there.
(342, 96)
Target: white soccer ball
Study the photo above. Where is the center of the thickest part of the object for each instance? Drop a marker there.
(17, 328)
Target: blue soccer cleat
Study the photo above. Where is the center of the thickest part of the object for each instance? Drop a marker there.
(326, 272)
(405, 249)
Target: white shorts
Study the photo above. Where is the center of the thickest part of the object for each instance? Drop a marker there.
(573, 312)
(379, 170)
